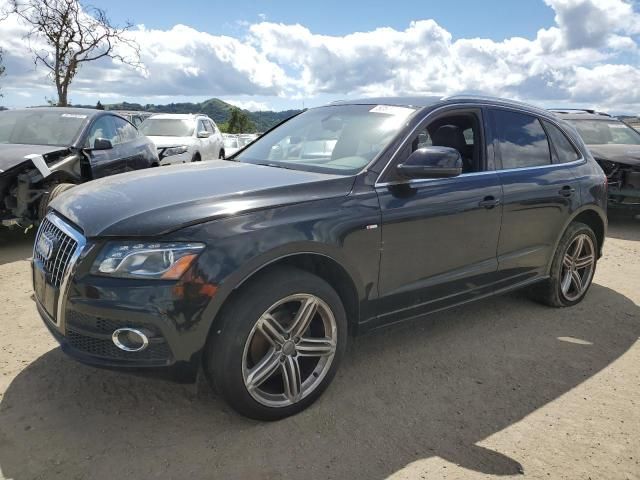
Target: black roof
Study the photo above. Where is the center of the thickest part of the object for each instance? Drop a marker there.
(428, 101)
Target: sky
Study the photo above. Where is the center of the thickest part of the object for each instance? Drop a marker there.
(283, 54)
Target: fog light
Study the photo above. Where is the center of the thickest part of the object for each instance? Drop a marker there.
(130, 339)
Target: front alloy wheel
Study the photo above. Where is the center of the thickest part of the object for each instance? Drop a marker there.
(277, 343)
(289, 350)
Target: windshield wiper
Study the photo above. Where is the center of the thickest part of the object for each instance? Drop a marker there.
(276, 165)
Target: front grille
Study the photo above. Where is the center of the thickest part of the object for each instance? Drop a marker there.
(105, 348)
(56, 265)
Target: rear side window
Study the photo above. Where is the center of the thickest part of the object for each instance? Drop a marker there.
(564, 150)
(521, 138)
(125, 132)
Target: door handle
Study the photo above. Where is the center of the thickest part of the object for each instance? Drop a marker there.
(489, 202)
(566, 191)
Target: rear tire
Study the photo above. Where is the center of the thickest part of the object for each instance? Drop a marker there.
(221, 155)
(196, 158)
(282, 338)
(572, 269)
(48, 197)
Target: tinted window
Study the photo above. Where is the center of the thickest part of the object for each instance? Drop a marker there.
(125, 132)
(522, 140)
(564, 151)
(104, 128)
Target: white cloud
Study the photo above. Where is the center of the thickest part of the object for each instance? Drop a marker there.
(251, 105)
(590, 56)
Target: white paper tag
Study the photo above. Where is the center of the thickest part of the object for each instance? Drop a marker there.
(73, 115)
(617, 125)
(392, 110)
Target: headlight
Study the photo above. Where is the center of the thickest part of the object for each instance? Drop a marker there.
(175, 150)
(165, 261)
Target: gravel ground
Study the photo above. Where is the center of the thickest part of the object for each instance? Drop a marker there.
(502, 387)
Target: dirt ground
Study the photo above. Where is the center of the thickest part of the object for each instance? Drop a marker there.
(504, 387)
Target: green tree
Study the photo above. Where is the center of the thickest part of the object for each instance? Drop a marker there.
(239, 122)
(99, 106)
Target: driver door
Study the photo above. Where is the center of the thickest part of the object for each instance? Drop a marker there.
(439, 235)
(104, 162)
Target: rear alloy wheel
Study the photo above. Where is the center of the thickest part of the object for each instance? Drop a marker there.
(572, 269)
(578, 265)
(281, 342)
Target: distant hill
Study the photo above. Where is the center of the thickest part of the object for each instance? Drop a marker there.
(215, 108)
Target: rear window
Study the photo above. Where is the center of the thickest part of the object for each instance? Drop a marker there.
(522, 140)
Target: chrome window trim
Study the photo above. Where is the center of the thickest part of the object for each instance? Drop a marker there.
(69, 271)
(470, 105)
(580, 161)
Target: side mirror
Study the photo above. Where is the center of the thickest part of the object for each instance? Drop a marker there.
(432, 162)
(102, 144)
(204, 134)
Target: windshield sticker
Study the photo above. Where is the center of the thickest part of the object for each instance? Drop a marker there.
(391, 110)
(73, 115)
(617, 125)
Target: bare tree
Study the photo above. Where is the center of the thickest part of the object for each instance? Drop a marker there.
(1, 67)
(74, 34)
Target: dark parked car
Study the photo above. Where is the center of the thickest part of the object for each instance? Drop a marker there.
(258, 269)
(616, 147)
(45, 151)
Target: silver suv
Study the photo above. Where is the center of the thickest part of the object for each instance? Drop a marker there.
(182, 138)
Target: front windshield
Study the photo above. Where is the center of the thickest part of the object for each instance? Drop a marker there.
(603, 132)
(339, 139)
(41, 127)
(166, 127)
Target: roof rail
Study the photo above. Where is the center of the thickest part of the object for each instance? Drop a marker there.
(578, 110)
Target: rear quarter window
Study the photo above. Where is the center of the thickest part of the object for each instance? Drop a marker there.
(563, 149)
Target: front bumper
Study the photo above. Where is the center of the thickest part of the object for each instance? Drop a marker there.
(83, 316)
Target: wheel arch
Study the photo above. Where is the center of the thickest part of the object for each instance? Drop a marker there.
(318, 263)
(590, 215)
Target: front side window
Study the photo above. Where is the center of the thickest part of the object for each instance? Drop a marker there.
(167, 127)
(564, 152)
(340, 139)
(125, 132)
(457, 130)
(103, 128)
(604, 132)
(521, 139)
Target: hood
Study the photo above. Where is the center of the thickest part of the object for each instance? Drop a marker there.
(12, 155)
(164, 142)
(159, 200)
(627, 154)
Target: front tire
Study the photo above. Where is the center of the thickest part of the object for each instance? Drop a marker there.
(54, 192)
(572, 269)
(282, 338)
(221, 155)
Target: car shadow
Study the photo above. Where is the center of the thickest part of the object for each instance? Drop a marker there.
(15, 245)
(433, 387)
(624, 224)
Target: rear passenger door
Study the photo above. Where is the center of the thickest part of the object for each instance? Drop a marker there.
(540, 190)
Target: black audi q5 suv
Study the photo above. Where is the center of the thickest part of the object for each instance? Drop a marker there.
(343, 219)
